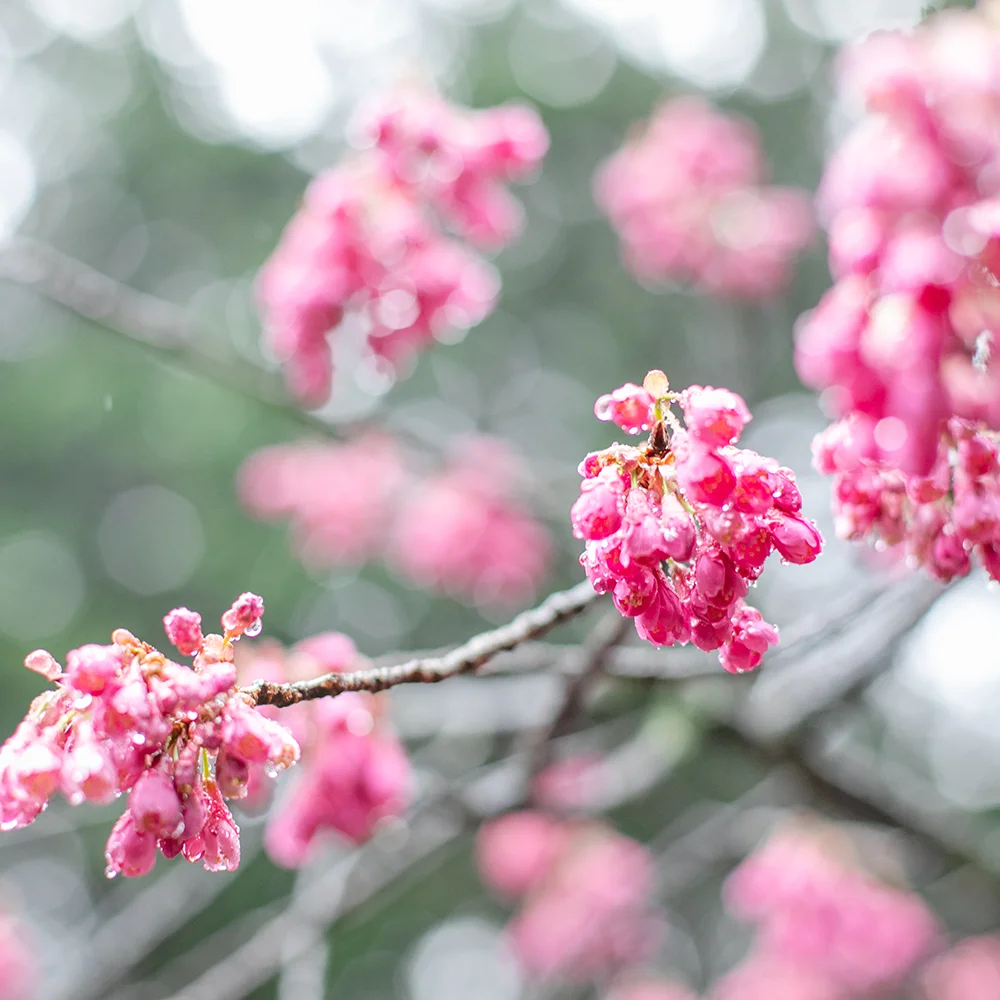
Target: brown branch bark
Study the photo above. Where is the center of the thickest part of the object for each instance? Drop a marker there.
(464, 659)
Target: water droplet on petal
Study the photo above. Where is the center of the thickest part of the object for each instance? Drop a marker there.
(109, 872)
(138, 739)
(254, 629)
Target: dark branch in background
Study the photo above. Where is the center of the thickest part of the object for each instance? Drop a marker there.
(558, 607)
(154, 324)
(593, 657)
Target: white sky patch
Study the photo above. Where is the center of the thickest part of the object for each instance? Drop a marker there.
(710, 43)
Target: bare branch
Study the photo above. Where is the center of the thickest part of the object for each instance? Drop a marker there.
(594, 655)
(464, 659)
(152, 323)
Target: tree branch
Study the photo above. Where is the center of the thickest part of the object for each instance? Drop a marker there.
(464, 659)
(594, 655)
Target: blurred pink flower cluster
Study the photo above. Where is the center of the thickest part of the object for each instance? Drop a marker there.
(688, 199)
(823, 925)
(900, 345)
(178, 739)
(18, 964)
(585, 891)
(968, 971)
(369, 241)
(942, 519)
(680, 527)
(353, 773)
(460, 532)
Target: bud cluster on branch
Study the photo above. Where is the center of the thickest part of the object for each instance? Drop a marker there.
(679, 528)
(178, 739)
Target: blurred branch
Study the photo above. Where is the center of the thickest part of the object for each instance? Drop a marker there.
(593, 657)
(152, 323)
(555, 609)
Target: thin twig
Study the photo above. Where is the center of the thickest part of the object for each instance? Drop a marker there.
(610, 630)
(555, 609)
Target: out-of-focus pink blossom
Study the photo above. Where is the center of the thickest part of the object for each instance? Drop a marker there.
(940, 520)
(18, 964)
(910, 201)
(819, 913)
(688, 199)
(370, 239)
(968, 971)
(463, 533)
(354, 772)
(125, 718)
(338, 497)
(517, 851)
(650, 989)
(587, 891)
(765, 976)
(679, 528)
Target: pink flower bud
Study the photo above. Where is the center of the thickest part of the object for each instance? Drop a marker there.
(129, 852)
(596, 513)
(797, 539)
(706, 477)
(92, 668)
(714, 417)
(232, 774)
(88, 774)
(183, 628)
(36, 770)
(629, 406)
(44, 663)
(154, 805)
(244, 617)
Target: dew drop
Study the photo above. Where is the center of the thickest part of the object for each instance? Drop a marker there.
(8, 824)
(109, 872)
(602, 408)
(138, 739)
(254, 628)
(271, 770)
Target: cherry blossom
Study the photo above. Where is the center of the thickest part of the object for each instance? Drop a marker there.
(124, 718)
(679, 528)
(687, 196)
(369, 246)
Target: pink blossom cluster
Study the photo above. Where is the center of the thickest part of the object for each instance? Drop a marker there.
(688, 199)
(824, 921)
(463, 533)
(585, 892)
(460, 532)
(940, 520)
(679, 528)
(126, 718)
(370, 243)
(18, 965)
(912, 203)
(354, 773)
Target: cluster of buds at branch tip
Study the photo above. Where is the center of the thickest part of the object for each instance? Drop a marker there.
(180, 740)
(678, 529)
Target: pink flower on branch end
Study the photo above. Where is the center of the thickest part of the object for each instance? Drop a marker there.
(688, 200)
(125, 718)
(678, 529)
